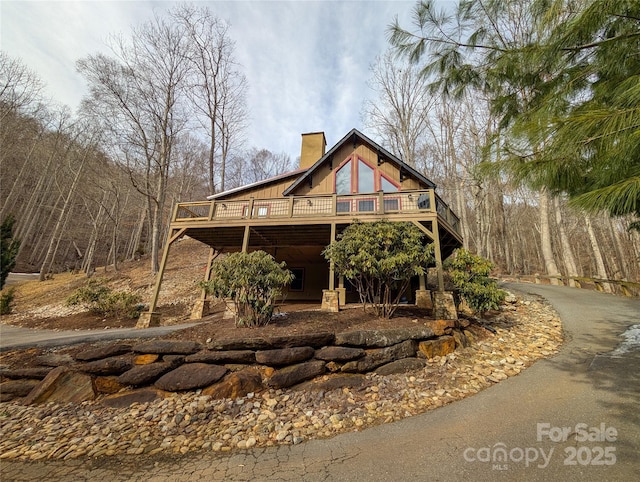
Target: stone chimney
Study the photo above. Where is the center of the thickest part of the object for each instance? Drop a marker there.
(313, 146)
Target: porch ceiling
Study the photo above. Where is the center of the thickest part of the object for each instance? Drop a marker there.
(230, 238)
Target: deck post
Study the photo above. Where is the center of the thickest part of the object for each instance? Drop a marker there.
(332, 274)
(245, 238)
(331, 297)
(201, 307)
(151, 317)
(438, 255)
(342, 291)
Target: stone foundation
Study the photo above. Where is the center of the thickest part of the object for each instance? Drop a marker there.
(443, 306)
(330, 301)
(148, 319)
(201, 308)
(423, 299)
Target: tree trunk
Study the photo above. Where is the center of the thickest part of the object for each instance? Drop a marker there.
(567, 252)
(61, 223)
(597, 254)
(545, 239)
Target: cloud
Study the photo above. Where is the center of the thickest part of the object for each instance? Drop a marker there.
(306, 63)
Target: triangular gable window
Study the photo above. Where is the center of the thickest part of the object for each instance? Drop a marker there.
(361, 177)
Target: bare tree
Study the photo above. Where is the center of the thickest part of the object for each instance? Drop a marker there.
(217, 88)
(138, 94)
(400, 113)
(19, 86)
(257, 165)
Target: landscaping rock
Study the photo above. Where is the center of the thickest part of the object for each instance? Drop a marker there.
(18, 388)
(228, 356)
(333, 382)
(168, 347)
(109, 366)
(338, 353)
(294, 374)
(115, 349)
(316, 340)
(145, 359)
(284, 356)
(439, 347)
(54, 360)
(107, 385)
(401, 366)
(441, 327)
(380, 356)
(62, 385)
(144, 374)
(461, 339)
(175, 360)
(190, 377)
(29, 372)
(236, 384)
(383, 338)
(122, 400)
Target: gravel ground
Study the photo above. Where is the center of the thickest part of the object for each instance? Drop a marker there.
(525, 331)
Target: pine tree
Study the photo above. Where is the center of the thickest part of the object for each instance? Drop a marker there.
(563, 76)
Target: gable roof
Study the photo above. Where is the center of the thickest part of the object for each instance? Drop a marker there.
(354, 135)
(270, 180)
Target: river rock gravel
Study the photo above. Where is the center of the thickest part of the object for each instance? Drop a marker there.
(525, 331)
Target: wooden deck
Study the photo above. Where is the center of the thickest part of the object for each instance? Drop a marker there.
(298, 210)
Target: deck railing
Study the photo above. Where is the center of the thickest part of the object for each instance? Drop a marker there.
(351, 205)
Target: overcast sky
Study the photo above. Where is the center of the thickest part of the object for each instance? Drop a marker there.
(306, 62)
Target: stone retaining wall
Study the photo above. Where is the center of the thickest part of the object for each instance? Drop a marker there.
(228, 368)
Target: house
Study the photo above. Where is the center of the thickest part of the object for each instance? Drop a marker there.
(295, 215)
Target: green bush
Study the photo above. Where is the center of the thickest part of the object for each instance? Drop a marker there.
(470, 275)
(6, 298)
(98, 298)
(253, 281)
(380, 259)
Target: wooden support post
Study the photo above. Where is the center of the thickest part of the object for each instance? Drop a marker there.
(435, 237)
(245, 238)
(332, 274)
(381, 202)
(250, 208)
(201, 307)
(151, 317)
(438, 255)
(342, 291)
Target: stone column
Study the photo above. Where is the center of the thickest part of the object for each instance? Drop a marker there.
(330, 301)
(444, 307)
(147, 319)
(423, 299)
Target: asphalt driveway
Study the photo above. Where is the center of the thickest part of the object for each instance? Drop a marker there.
(573, 417)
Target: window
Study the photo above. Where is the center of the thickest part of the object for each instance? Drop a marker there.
(343, 206)
(386, 185)
(357, 176)
(298, 279)
(343, 179)
(261, 211)
(366, 177)
(391, 204)
(365, 205)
